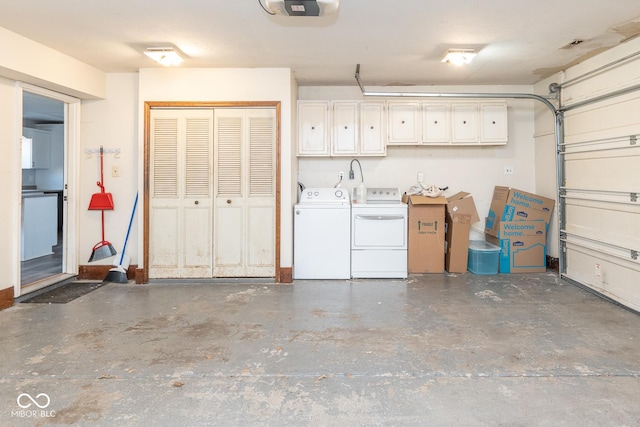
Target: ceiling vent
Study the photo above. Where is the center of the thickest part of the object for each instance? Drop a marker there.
(302, 7)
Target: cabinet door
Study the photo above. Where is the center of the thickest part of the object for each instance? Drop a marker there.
(465, 123)
(345, 128)
(37, 153)
(403, 122)
(493, 123)
(372, 129)
(435, 123)
(313, 129)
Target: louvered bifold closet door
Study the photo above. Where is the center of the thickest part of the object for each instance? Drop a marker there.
(244, 220)
(180, 219)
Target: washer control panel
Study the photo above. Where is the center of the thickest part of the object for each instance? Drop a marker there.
(325, 195)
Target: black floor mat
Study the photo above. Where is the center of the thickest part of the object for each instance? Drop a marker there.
(65, 293)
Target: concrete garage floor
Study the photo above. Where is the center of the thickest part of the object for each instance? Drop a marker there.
(456, 350)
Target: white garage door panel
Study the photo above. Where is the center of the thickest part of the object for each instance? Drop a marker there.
(605, 273)
(611, 223)
(603, 120)
(617, 170)
(600, 175)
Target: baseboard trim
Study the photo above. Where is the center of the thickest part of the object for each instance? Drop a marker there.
(286, 275)
(6, 298)
(99, 272)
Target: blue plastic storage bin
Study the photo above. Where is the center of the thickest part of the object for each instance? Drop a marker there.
(483, 257)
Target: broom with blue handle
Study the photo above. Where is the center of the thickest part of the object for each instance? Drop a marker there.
(118, 274)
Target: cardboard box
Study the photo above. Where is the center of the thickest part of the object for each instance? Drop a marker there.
(510, 204)
(460, 214)
(523, 246)
(426, 234)
(457, 243)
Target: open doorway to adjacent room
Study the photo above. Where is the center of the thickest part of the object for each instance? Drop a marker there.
(43, 233)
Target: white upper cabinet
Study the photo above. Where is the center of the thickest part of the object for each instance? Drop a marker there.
(464, 123)
(36, 149)
(404, 119)
(493, 123)
(373, 130)
(313, 128)
(341, 128)
(436, 126)
(345, 128)
(366, 128)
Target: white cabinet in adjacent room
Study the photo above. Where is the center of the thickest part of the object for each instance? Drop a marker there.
(39, 225)
(313, 128)
(36, 149)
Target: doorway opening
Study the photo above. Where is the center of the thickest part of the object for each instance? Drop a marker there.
(44, 258)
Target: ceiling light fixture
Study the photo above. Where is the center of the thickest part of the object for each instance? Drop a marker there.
(459, 56)
(302, 7)
(166, 56)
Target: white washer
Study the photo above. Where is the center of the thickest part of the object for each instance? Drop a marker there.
(322, 234)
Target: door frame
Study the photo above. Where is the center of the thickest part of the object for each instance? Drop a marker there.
(70, 190)
(142, 274)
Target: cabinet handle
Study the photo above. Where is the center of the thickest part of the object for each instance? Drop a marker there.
(494, 122)
(371, 127)
(464, 122)
(345, 127)
(228, 201)
(402, 122)
(435, 122)
(313, 127)
(196, 202)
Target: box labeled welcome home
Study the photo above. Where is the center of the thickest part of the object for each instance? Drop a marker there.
(425, 244)
(523, 246)
(510, 204)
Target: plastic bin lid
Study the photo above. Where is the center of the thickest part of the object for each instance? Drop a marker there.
(481, 245)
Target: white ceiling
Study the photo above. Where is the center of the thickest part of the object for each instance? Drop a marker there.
(397, 42)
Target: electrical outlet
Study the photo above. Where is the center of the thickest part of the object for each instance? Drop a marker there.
(340, 174)
(115, 171)
(508, 170)
(598, 271)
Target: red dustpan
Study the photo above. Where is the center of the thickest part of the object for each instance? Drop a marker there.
(101, 201)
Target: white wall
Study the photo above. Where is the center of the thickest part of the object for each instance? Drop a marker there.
(229, 84)
(473, 169)
(27, 61)
(112, 123)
